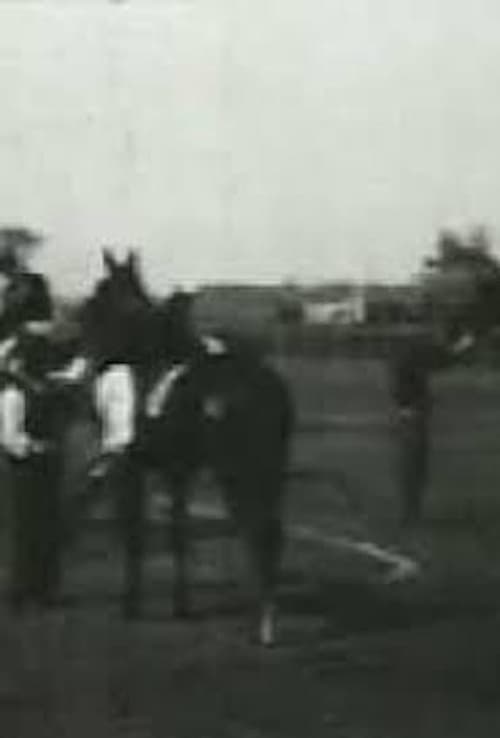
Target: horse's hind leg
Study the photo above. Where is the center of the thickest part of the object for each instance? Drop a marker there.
(255, 505)
(132, 524)
(179, 539)
(266, 542)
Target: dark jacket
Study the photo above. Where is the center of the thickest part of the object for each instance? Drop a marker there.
(26, 298)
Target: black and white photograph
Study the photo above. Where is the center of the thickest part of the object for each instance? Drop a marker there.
(249, 369)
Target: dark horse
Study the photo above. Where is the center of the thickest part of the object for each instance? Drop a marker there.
(226, 411)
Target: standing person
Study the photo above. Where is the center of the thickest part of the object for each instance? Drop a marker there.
(30, 437)
(411, 374)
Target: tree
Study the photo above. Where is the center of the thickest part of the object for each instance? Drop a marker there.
(461, 282)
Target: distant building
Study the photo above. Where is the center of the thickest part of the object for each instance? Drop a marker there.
(264, 308)
(236, 307)
(342, 306)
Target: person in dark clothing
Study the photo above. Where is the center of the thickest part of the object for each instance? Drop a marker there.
(411, 372)
(31, 439)
(27, 307)
(26, 297)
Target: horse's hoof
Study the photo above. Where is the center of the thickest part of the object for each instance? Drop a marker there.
(267, 630)
(267, 640)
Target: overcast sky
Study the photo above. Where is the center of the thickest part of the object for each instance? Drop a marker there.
(249, 139)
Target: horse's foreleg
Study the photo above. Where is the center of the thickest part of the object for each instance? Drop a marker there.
(253, 500)
(133, 530)
(268, 562)
(179, 538)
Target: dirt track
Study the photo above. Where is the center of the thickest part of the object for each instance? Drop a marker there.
(357, 659)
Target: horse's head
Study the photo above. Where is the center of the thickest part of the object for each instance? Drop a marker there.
(116, 314)
(121, 288)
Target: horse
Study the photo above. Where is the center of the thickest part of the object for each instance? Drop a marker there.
(203, 405)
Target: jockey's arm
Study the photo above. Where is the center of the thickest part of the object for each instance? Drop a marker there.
(463, 344)
(73, 373)
(442, 357)
(445, 358)
(6, 348)
(12, 370)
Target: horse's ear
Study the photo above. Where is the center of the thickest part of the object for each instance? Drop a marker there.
(133, 262)
(108, 259)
